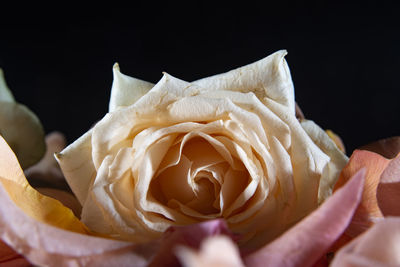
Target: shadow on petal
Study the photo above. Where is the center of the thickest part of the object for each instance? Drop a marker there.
(309, 240)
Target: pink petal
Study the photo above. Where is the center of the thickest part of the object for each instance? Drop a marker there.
(10, 258)
(46, 245)
(309, 240)
(388, 192)
(368, 212)
(379, 246)
(190, 236)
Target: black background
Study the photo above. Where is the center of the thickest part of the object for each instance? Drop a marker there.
(344, 59)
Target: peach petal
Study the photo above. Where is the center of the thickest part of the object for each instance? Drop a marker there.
(388, 192)
(368, 211)
(190, 236)
(379, 246)
(388, 147)
(306, 242)
(34, 204)
(46, 245)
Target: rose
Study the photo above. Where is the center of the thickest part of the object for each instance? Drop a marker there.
(178, 153)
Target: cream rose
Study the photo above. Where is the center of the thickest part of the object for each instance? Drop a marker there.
(177, 153)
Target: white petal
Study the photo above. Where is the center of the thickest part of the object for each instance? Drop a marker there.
(126, 90)
(267, 78)
(77, 165)
(337, 159)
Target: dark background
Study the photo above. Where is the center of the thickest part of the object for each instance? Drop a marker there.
(344, 59)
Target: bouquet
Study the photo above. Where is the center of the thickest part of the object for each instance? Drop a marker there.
(222, 171)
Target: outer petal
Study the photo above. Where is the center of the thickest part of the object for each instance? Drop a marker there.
(126, 90)
(45, 245)
(388, 193)
(337, 159)
(36, 205)
(379, 246)
(10, 258)
(368, 212)
(267, 78)
(214, 251)
(77, 165)
(5, 93)
(307, 241)
(190, 236)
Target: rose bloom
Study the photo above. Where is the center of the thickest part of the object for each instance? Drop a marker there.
(179, 153)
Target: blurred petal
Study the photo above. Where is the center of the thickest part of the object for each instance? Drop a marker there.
(214, 251)
(379, 246)
(126, 90)
(368, 211)
(5, 93)
(190, 236)
(388, 192)
(10, 258)
(45, 245)
(20, 127)
(47, 172)
(305, 243)
(41, 208)
(388, 147)
(337, 140)
(66, 198)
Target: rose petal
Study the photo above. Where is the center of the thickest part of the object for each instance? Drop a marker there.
(388, 192)
(46, 245)
(36, 205)
(10, 258)
(214, 251)
(307, 241)
(379, 246)
(335, 165)
(5, 93)
(191, 236)
(20, 127)
(126, 90)
(268, 77)
(47, 172)
(388, 147)
(368, 212)
(75, 161)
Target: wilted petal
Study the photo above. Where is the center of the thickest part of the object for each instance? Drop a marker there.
(45, 245)
(191, 236)
(76, 164)
(266, 78)
(18, 191)
(307, 241)
(47, 173)
(126, 90)
(214, 251)
(10, 258)
(368, 211)
(388, 192)
(388, 147)
(5, 93)
(20, 127)
(379, 246)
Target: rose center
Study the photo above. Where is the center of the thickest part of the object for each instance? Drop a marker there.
(196, 178)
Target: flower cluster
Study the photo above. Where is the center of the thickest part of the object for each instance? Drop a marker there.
(222, 171)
